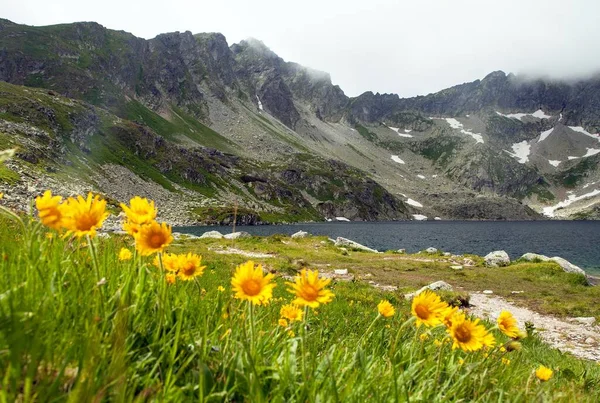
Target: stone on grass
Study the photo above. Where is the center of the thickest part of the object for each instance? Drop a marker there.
(457, 267)
(341, 271)
(431, 250)
(401, 251)
(300, 234)
(488, 292)
(497, 258)
(531, 257)
(344, 242)
(236, 235)
(212, 234)
(567, 266)
(437, 286)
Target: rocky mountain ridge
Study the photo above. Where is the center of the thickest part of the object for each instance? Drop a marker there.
(238, 124)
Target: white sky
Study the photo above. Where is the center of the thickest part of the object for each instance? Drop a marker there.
(408, 47)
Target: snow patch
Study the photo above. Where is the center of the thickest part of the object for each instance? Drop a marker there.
(420, 176)
(407, 130)
(590, 152)
(342, 219)
(420, 217)
(544, 135)
(397, 159)
(477, 136)
(437, 218)
(397, 130)
(414, 203)
(521, 151)
(583, 131)
(537, 114)
(554, 162)
(260, 106)
(455, 124)
(434, 176)
(549, 211)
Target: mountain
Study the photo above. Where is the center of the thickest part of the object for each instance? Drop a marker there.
(202, 126)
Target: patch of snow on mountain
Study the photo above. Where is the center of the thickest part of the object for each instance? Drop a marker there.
(521, 151)
(478, 137)
(590, 152)
(589, 184)
(570, 157)
(455, 124)
(342, 219)
(259, 103)
(397, 159)
(549, 211)
(420, 217)
(544, 135)
(434, 176)
(583, 131)
(554, 163)
(414, 203)
(420, 176)
(407, 130)
(397, 130)
(540, 114)
(560, 117)
(537, 114)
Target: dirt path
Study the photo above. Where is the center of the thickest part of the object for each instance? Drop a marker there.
(581, 340)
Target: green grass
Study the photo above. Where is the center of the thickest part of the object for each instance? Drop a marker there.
(8, 176)
(75, 330)
(368, 135)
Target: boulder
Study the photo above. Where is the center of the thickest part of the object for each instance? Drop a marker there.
(567, 266)
(341, 271)
(497, 258)
(300, 234)
(563, 263)
(344, 242)
(431, 250)
(530, 257)
(437, 286)
(488, 292)
(236, 235)
(212, 234)
(401, 251)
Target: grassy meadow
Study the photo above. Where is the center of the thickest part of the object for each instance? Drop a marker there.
(79, 324)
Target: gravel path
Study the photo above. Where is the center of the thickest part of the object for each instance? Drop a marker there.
(579, 339)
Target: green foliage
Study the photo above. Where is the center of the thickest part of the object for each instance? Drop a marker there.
(116, 331)
(368, 135)
(8, 176)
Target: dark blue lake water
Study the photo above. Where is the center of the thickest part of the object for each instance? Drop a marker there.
(576, 241)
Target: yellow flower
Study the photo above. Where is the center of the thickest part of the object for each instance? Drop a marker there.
(423, 336)
(505, 361)
(141, 211)
(513, 346)
(171, 278)
(283, 322)
(250, 283)
(467, 334)
(508, 324)
(83, 216)
(428, 308)
(385, 309)
(131, 228)
(189, 266)
(309, 289)
(543, 373)
(1, 195)
(448, 314)
(125, 254)
(152, 238)
(227, 333)
(438, 343)
(291, 313)
(49, 235)
(489, 341)
(170, 262)
(502, 349)
(220, 288)
(50, 210)
(461, 361)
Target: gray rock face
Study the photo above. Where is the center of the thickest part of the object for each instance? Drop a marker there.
(236, 235)
(212, 234)
(300, 234)
(343, 242)
(497, 258)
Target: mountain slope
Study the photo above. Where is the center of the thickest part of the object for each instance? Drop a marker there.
(290, 143)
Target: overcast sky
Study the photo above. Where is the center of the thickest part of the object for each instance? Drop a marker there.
(407, 47)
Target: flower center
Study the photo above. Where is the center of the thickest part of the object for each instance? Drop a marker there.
(156, 240)
(462, 334)
(85, 222)
(422, 312)
(189, 269)
(251, 287)
(310, 292)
